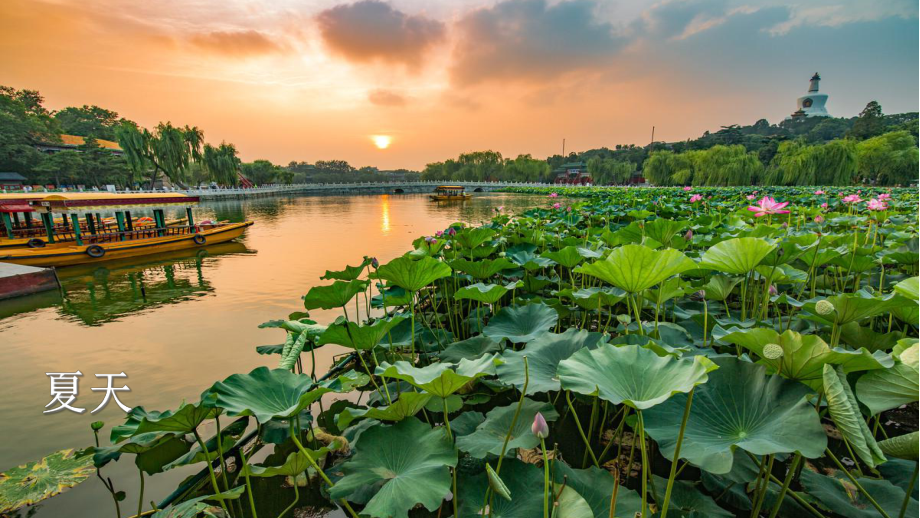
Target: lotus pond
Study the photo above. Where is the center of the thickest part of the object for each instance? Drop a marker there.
(631, 352)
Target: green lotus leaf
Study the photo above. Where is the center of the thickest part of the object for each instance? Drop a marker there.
(595, 485)
(864, 336)
(402, 476)
(194, 508)
(635, 268)
(739, 407)
(854, 307)
(483, 268)
(436, 404)
(266, 394)
(543, 356)
(521, 323)
(631, 374)
(228, 438)
(33, 482)
(570, 504)
(333, 296)
(527, 259)
(844, 410)
(524, 483)
(466, 423)
(295, 344)
(686, 500)
(568, 256)
(663, 230)
(154, 452)
(737, 256)
(358, 337)
(909, 288)
(413, 275)
(903, 446)
(473, 237)
(469, 349)
(425, 339)
(439, 379)
(350, 273)
(720, 287)
(184, 420)
(889, 388)
(295, 464)
(497, 484)
(804, 356)
(490, 435)
(408, 404)
(485, 293)
(589, 298)
(841, 496)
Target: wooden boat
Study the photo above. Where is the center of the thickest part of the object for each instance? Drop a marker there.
(450, 192)
(75, 246)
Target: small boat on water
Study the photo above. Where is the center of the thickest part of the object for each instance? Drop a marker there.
(450, 192)
(90, 241)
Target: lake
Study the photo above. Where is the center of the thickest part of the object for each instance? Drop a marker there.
(176, 323)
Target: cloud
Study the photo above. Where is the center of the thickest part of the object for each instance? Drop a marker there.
(241, 43)
(528, 39)
(382, 97)
(371, 30)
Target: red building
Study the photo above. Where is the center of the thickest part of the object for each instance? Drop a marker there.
(572, 173)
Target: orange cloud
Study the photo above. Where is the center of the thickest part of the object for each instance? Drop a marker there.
(382, 97)
(242, 43)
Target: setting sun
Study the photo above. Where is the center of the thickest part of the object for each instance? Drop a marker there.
(382, 141)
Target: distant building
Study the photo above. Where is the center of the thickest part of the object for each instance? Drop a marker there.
(812, 103)
(73, 142)
(10, 181)
(572, 173)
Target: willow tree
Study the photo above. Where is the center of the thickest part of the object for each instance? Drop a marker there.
(797, 163)
(168, 150)
(888, 159)
(667, 168)
(726, 165)
(222, 163)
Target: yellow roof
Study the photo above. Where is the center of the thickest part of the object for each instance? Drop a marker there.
(107, 201)
(76, 140)
(73, 196)
(21, 195)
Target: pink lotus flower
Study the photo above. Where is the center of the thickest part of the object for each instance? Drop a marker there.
(853, 198)
(501, 208)
(877, 205)
(556, 205)
(824, 205)
(439, 233)
(553, 195)
(819, 193)
(568, 209)
(688, 188)
(819, 219)
(751, 196)
(884, 196)
(695, 198)
(431, 240)
(768, 205)
(451, 231)
(539, 426)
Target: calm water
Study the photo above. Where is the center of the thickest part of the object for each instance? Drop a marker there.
(177, 323)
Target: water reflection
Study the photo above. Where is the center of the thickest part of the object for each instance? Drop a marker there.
(385, 213)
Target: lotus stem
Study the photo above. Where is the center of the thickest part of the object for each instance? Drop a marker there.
(296, 499)
(545, 480)
(795, 496)
(642, 449)
(584, 460)
(856, 483)
(676, 456)
(453, 470)
(910, 487)
(613, 494)
(786, 481)
(207, 456)
(581, 431)
(140, 498)
(252, 502)
(319, 470)
(517, 413)
(763, 489)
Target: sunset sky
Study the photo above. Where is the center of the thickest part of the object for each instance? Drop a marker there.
(316, 80)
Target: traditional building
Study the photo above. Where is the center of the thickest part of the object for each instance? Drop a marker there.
(812, 103)
(572, 173)
(73, 142)
(11, 181)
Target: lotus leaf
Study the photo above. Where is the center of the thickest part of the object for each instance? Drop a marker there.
(905, 446)
(909, 288)
(470, 348)
(739, 407)
(333, 296)
(841, 496)
(402, 476)
(543, 356)
(413, 275)
(854, 307)
(195, 508)
(738, 256)
(350, 273)
(358, 337)
(595, 485)
(483, 268)
(688, 501)
(521, 323)
(35, 481)
(471, 238)
(889, 388)
(635, 268)
(184, 420)
(295, 464)
(804, 356)
(266, 394)
(489, 436)
(228, 437)
(844, 410)
(485, 293)
(439, 379)
(568, 256)
(631, 374)
(720, 287)
(408, 404)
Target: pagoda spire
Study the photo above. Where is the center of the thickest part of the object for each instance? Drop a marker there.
(813, 85)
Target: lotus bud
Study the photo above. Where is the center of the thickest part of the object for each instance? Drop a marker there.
(375, 263)
(439, 233)
(689, 235)
(772, 351)
(539, 426)
(825, 307)
(452, 231)
(97, 425)
(773, 290)
(698, 296)
(431, 240)
(819, 219)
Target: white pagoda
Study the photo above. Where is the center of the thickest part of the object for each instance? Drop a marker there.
(812, 103)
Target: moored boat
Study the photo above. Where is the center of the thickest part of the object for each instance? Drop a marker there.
(450, 192)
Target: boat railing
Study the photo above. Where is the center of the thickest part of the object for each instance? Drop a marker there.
(133, 235)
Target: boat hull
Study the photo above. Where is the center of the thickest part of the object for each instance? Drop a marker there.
(444, 197)
(75, 254)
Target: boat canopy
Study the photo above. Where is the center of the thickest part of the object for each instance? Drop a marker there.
(450, 188)
(85, 201)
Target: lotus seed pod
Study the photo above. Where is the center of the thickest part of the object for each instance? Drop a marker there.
(772, 351)
(824, 307)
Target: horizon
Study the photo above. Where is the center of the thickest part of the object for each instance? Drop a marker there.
(288, 82)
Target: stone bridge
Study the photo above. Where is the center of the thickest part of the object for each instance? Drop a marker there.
(346, 188)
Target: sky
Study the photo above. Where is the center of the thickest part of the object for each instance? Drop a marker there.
(312, 80)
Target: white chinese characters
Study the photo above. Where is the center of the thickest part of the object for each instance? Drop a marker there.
(64, 389)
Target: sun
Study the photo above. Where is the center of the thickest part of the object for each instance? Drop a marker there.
(382, 141)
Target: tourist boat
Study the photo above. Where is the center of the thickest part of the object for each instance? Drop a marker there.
(88, 242)
(450, 192)
(19, 229)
